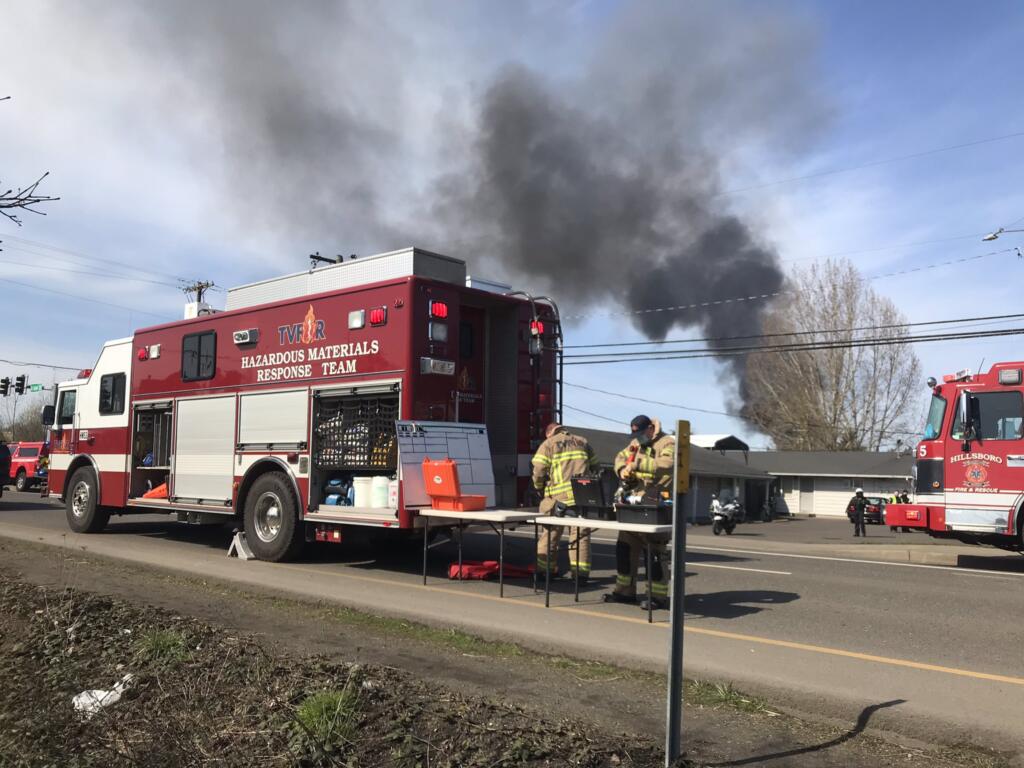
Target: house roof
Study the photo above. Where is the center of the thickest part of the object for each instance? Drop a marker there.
(719, 442)
(829, 463)
(705, 463)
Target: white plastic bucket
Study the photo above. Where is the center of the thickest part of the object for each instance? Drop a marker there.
(364, 491)
(379, 491)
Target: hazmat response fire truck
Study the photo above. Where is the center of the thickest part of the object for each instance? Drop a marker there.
(309, 404)
(970, 462)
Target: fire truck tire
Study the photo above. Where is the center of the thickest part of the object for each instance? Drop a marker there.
(272, 527)
(83, 510)
(21, 482)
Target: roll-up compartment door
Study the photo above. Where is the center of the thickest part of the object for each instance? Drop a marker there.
(273, 418)
(205, 448)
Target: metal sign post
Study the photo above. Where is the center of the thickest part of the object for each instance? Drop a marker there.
(681, 484)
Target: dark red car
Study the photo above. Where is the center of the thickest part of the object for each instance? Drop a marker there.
(28, 464)
(874, 512)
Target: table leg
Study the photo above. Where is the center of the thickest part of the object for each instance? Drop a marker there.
(460, 551)
(579, 535)
(547, 571)
(426, 527)
(535, 539)
(501, 561)
(650, 593)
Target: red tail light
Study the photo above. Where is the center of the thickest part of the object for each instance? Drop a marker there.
(378, 316)
(536, 327)
(438, 309)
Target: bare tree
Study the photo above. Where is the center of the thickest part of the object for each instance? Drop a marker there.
(20, 418)
(23, 198)
(840, 399)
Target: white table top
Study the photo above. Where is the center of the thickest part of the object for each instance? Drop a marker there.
(603, 525)
(482, 515)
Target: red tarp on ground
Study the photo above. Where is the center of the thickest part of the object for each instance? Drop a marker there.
(488, 569)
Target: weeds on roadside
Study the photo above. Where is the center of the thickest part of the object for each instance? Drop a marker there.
(164, 647)
(326, 720)
(707, 694)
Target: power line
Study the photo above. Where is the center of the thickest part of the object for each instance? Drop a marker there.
(41, 365)
(890, 326)
(773, 294)
(803, 347)
(86, 272)
(87, 257)
(877, 249)
(84, 298)
(873, 163)
(695, 410)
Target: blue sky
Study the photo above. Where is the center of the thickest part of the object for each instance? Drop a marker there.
(142, 166)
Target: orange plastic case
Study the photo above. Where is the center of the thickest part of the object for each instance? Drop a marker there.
(441, 479)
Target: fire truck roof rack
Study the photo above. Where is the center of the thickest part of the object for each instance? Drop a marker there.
(348, 274)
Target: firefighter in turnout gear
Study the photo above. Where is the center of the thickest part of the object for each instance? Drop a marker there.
(645, 465)
(560, 458)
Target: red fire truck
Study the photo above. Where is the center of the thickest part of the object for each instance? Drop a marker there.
(309, 404)
(970, 462)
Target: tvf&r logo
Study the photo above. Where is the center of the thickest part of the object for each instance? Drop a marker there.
(306, 332)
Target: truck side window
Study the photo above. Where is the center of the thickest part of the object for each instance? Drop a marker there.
(66, 414)
(1002, 414)
(198, 356)
(112, 393)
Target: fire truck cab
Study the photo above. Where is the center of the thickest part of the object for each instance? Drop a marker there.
(970, 462)
(310, 403)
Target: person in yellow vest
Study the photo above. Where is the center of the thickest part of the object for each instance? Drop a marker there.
(561, 457)
(646, 464)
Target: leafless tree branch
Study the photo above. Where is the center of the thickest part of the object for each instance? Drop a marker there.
(23, 199)
(855, 398)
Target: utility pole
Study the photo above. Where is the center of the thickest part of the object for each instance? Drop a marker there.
(674, 708)
(198, 288)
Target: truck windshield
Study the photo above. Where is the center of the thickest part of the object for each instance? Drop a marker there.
(1002, 416)
(936, 412)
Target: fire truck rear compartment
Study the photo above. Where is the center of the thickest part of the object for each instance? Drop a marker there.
(353, 437)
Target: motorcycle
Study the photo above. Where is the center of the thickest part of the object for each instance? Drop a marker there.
(726, 517)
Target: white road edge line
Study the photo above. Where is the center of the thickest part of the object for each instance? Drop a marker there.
(950, 568)
(691, 564)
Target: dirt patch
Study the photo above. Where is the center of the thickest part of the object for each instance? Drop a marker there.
(260, 657)
(198, 695)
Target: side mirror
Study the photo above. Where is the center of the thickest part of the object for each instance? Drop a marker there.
(970, 418)
(47, 415)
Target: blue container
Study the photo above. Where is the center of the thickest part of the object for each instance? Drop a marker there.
(333, 498)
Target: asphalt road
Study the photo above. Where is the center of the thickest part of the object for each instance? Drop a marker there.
(936, 649)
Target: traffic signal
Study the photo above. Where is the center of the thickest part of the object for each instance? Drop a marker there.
(5, 386)
(19, 385)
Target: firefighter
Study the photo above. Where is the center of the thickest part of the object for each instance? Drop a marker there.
(859, 506)
(561, 457)
(646, 464)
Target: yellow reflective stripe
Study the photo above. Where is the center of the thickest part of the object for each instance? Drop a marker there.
(538, 459)
(659, 590)
(623, 581)
(563, 455)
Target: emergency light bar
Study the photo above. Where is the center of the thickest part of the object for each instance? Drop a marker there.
(1010, 376)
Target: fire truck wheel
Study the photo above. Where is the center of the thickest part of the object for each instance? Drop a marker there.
(21, 482)
(84, 513)
(272, 527)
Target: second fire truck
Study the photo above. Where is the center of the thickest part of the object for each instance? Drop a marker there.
(970, 461)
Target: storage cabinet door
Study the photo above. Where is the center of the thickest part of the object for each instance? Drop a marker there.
(205, 448)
